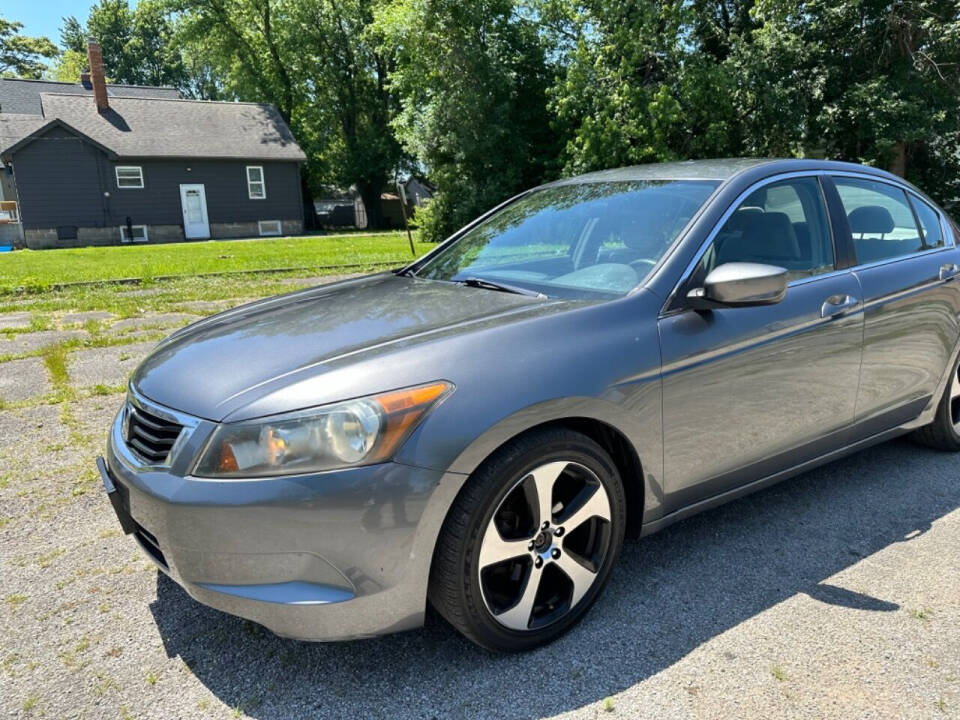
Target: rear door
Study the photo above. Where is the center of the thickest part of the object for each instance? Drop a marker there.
(750, 391)
(906, 265)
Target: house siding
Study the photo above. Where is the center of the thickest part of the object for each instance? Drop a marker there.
(63, 180)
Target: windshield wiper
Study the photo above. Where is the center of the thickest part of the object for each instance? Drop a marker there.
(405, 272)
(502, 287)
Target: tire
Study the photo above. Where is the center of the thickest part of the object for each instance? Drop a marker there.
(944, 432)
(493, 549)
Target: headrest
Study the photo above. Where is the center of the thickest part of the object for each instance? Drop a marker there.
(766, 237)
(873, 219)
(741, 217)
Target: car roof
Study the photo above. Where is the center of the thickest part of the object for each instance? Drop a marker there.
(719, 170)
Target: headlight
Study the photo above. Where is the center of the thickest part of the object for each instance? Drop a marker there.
(356, 432)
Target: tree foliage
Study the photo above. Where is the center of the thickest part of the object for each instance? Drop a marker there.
(472, 78)
(492, 96)
(862, 80)
(320, 64)
(866, 81)
(138, 44)
(21, 55)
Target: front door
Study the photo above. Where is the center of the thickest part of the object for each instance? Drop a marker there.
(193, 200)
(750, 391)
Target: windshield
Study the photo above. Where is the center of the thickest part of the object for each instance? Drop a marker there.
(580, 240)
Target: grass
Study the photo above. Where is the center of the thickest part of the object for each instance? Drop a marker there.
(34, 270)
(779, 673)
(55, 360)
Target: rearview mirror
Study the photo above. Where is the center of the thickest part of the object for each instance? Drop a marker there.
(740, 284)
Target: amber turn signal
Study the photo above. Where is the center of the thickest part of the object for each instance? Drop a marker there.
(401, 411)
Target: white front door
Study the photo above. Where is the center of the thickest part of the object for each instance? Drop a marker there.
(194, 202)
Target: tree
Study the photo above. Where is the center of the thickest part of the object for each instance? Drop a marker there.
(472, 80)
(21, 55)
(138, 45)
(319, 64)
(348, 76)
(646, 82)
(866, 81)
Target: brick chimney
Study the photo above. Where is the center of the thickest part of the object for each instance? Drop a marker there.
(97, 79)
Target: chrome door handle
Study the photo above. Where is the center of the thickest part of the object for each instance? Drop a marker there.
(949, 270)
(837, 305)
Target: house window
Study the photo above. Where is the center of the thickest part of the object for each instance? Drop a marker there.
(270, 227)
(139, 233)
(129, 176)
(256, 187)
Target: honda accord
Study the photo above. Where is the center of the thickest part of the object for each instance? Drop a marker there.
(594, 359)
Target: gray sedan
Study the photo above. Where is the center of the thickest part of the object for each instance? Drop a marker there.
(592, 360)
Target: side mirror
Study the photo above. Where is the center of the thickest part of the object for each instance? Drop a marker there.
(740, 284)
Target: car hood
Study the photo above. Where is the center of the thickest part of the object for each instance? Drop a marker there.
(203, 368)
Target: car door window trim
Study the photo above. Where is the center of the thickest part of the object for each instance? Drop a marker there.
(914, 198)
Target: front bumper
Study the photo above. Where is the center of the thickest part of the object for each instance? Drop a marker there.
(329, 556)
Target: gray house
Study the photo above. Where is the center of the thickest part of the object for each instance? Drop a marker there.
(115, 165)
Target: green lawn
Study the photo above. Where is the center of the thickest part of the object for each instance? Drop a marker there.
(39, 269)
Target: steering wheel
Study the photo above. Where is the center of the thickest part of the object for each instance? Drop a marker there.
(644, 261)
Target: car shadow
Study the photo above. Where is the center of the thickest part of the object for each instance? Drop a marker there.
(670, 593)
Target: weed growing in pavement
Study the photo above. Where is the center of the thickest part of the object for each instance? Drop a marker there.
(45, 561)
(104, 684)
(779, 673)
(55, 360)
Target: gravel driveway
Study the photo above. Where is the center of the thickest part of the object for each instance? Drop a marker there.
(833, 595)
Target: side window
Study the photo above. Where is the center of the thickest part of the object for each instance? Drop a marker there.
(783, 224)
(929, 224)
(881, 219)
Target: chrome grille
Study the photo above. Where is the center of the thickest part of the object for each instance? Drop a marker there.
(150, 437)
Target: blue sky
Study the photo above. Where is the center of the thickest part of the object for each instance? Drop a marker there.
(43, 17)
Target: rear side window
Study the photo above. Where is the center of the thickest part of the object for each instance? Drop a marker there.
(929, 224)
(881, 219)
(783, 224)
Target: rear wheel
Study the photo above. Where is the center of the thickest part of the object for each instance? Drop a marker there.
(530, 542)
(944, 432)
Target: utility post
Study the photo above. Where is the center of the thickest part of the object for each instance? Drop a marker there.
(403, 209)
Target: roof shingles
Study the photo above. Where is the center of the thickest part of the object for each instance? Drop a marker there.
(159, 128)
(13, 127)
(21, 96)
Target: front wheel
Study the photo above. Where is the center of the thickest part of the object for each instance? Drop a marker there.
(944, 432)
(530, 541)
